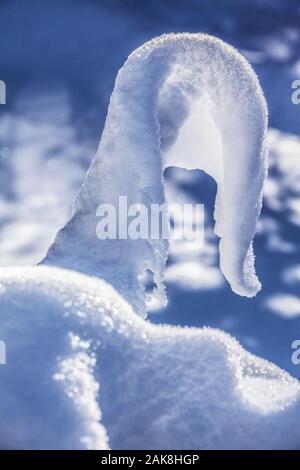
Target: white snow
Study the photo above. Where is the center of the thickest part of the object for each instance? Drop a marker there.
(285, 305)
(292, 275)
(285, 195)
(188, 100)
(83, 369)
(43, 164)
(41, 170)
(192, 275)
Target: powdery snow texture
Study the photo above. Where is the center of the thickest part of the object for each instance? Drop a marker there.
(84, 371)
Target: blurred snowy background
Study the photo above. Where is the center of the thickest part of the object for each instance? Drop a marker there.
(59, 60)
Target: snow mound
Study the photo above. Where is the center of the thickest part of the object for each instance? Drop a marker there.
(186, 100)
(83, 369)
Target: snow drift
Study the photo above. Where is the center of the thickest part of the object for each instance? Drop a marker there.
(186, 100)
(84, 371)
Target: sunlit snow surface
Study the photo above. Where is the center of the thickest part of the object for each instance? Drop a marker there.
(109, 377)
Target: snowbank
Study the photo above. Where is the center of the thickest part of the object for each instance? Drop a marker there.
(82, 368)
(188, 92)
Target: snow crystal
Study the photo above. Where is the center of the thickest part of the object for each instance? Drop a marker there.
(103, 374)
(186, 100)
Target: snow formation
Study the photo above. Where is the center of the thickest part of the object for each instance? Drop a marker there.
(84, 371)
(186, 100)
(35, 201)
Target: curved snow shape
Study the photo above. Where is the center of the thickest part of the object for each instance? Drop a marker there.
(106, 377)
(174, 81)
